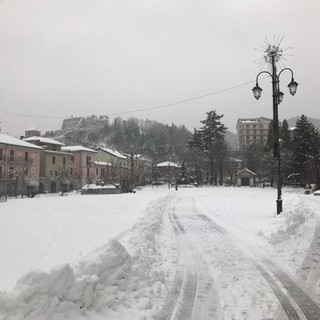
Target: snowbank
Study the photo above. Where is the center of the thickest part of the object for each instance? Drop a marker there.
(94, 186)
(95, 189)
(287, 223)
(288, 235)
(107, 282)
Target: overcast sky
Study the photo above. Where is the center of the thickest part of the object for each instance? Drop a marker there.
(104, 57)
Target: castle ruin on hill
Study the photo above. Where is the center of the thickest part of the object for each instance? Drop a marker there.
(85, 123)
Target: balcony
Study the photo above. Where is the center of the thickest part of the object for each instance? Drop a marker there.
(16, 160)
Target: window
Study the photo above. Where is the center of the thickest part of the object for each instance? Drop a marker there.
(50, 173)
(72, 158)
(88, 160)
(97, 171)
(1, 154)
(88, 172)
(11, 155)
(64, 160)
(0, 172)
(53, 159)
(26, 156)
(11, 173)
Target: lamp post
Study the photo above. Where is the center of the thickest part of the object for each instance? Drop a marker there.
(272, 55)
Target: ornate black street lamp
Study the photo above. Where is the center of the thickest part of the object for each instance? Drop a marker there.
(272, 55)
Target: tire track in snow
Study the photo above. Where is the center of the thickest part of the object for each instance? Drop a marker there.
(308, 307)
(180, 300)
(190, 280)
(284, 301)
(310, 268)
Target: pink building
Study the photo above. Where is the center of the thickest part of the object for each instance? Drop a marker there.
(84, 171)
(19, 166)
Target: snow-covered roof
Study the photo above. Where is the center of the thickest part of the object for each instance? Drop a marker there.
(44, 140)
(167, 164)
(246, 170)
(77, 148)
(249, 120)
(114, 153)
(144, 157)
(6, 139)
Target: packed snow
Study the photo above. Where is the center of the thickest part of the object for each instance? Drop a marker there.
(118, 256)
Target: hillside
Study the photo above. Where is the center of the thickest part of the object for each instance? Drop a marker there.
(157, 140)
(316, 122)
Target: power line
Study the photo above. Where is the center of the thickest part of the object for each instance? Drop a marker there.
(30, 116)
(136, 110)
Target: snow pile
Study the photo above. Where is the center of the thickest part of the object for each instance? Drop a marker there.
(94, 186)
(63, 291)
(286, 225)
(111, 282)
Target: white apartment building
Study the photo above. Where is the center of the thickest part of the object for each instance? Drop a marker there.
(252, 131)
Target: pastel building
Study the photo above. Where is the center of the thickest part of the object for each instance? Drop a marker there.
(19, 166)
(83, 165)
(117, 163)
(55, 165)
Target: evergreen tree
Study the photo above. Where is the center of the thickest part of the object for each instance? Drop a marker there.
(285, 150)
(270, 141)
(306, 149)
(208, 138)
(252, 158)
(269, 161)
(285, 135)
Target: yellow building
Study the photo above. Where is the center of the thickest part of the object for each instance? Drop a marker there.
(55, 165)
(117, 163)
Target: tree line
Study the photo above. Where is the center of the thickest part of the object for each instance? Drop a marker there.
(205, 154)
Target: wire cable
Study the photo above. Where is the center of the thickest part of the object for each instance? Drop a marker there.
(137, 110)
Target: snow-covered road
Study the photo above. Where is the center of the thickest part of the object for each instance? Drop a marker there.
(200, 253)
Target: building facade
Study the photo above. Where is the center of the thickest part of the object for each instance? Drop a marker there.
(252, 131)
(118, 165)
(166, 172)
(31, 132)
(55, 165)
(83, 165)
(19, 166)
(139, 169)
(245, 177)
